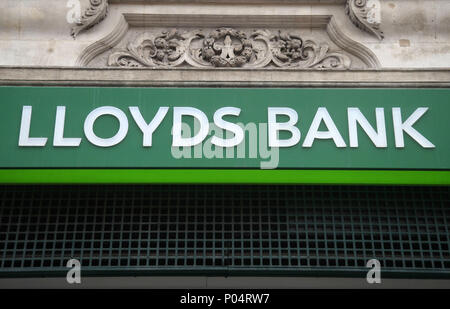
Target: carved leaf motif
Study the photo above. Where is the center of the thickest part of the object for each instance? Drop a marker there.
(166, 49)
(226, 47)
(93, 15)
(358, 12)
(290, 51)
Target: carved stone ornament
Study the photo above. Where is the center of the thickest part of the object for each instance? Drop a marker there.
(166, 49)
(365, 15)
(93, 15)
(228, 47)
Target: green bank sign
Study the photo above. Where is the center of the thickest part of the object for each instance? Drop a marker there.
(212, 135)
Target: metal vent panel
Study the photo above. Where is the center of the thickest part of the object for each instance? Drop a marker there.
(219, 230)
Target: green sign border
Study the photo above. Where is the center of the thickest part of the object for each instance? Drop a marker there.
(222, 176)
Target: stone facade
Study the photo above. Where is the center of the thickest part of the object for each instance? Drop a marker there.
(242, 35)
(227, 43)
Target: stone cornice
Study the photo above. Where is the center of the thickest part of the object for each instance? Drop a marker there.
(223, 77)
(278, 2)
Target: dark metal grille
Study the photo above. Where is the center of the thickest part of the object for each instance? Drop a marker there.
(220, 230)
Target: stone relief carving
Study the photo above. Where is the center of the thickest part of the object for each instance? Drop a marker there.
(228, 47)
(166, 49)
(94, 14)
(289, 50)
(365, 15)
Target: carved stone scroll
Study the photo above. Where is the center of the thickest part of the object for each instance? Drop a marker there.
(228, 47)
(365, 16)
(93, 15)
(166, 49)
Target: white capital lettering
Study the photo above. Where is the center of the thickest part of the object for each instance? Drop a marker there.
(275, 127)
(58, 138)
(106, 142)
(400, 127)
(378, 138)
(148, 129)
(332, 133)
(178, 113)
(229, 126)
(24, 137)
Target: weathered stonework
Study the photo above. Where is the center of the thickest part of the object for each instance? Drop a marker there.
(361, 14)
(94, 14)
(228, 47)
(416, 36)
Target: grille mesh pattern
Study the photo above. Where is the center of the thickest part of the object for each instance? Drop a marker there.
(281, 229)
